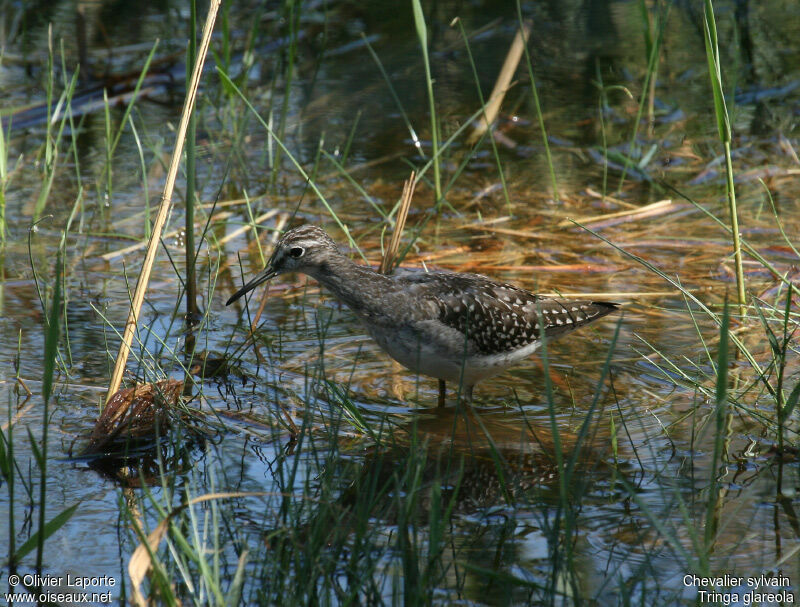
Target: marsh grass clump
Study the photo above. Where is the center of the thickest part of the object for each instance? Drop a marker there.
(136, 413)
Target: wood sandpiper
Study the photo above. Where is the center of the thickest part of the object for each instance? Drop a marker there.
(456, 327)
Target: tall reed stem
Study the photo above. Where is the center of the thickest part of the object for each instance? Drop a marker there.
(422, 34)
(163, 210)
(191, 140)
(724, 128)
(50, 355)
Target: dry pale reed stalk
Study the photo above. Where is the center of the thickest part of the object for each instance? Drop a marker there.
(502, 84)
(141, 561)
(163, 211)
(402, 213)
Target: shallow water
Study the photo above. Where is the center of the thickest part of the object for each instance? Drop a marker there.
(640, 491)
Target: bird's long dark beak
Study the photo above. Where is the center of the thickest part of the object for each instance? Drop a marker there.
(263, 277)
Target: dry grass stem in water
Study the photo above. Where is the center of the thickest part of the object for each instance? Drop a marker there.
(402, 214)
(141, 560)
(654, 209)
(163, 211)
(502, 83)
(217, 218)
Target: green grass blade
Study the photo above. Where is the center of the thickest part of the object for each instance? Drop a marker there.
(724, 128)
(422, 35)
(48, 529)
(791, 402)
(51, 336)
(715, 72)
(720, 413)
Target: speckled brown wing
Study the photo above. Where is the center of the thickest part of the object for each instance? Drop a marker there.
(499, 317)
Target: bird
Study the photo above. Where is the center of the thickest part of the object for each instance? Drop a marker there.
(453, 326)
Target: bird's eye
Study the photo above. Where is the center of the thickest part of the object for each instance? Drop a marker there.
(296, 252)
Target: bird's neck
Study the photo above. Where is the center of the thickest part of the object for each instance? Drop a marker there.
(358, 287)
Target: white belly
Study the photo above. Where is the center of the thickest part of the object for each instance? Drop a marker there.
(444, 357)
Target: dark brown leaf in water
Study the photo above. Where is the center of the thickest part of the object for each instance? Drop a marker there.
(135, 413)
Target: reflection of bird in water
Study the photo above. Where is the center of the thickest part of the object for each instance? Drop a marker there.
(495, 457)
(456, 327)
(443, 464)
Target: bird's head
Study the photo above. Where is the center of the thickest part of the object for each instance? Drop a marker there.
(304, 249)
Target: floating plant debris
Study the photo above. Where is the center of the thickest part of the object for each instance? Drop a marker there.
(138, 413)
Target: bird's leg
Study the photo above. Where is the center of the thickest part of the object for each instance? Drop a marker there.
(442, 393)
(465, 395)
(468, 395)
